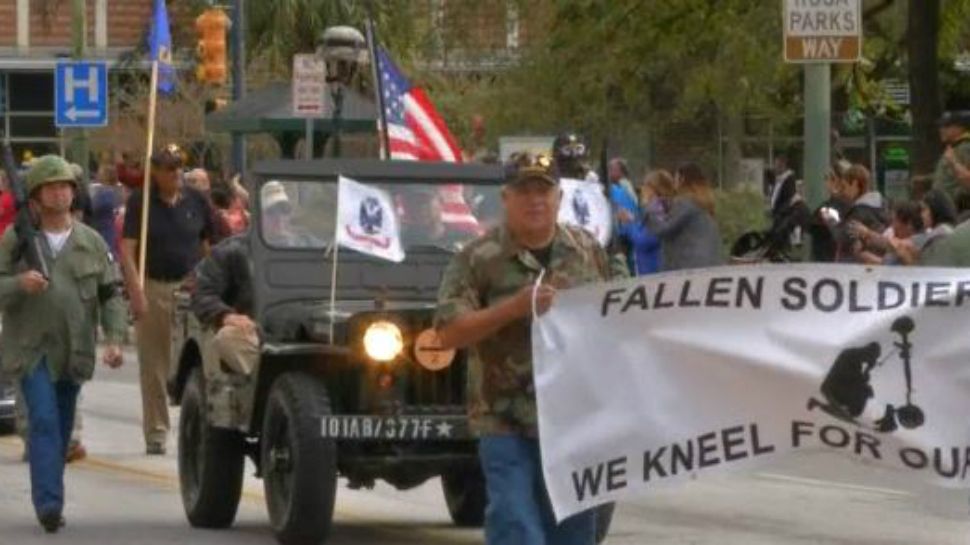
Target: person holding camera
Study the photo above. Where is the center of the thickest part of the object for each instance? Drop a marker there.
(867, 208)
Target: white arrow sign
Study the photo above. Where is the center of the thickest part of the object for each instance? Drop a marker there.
(74, 114)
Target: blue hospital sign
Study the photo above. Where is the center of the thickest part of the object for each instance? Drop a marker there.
(81, 94)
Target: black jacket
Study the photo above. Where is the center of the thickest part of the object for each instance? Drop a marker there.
(869, 210)
(824, 246)
(224, 282)
(782, 199)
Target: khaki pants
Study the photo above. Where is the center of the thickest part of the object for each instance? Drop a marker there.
(236, 348)
(154, 336)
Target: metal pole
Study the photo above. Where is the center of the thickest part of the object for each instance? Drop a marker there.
(818, 131)
(338, 107)
(382, 135)
(238, 37)
(873, 144)
(308, 139)
(79, 27)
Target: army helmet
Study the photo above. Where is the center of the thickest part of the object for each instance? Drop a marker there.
(49, 169)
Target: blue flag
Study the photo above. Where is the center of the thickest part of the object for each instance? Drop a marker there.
(160, 44)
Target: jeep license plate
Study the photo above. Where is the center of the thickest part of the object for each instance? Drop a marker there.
(395, 428)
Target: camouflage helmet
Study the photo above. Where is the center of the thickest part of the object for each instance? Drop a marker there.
(49, 169)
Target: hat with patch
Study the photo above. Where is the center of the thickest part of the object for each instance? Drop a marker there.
(168, 156)
(49, 169)
(522, 167)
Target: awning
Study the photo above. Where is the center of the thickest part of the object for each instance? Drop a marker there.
(270, 110)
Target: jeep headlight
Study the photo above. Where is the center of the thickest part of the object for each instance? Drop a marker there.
(383, 341)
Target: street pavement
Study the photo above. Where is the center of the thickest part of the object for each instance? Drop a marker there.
(120, 496)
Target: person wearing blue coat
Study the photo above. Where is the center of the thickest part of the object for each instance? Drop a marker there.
(632, 229)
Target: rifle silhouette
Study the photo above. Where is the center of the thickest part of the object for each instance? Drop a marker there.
(30, 243)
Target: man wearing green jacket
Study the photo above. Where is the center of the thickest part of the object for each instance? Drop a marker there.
(50, 325)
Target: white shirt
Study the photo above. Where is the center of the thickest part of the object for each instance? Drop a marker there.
(56, 241)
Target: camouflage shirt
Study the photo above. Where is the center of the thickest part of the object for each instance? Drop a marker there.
(501, 393)
(944, 177)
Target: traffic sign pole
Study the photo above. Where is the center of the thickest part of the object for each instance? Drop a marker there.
(817, 33)
(818, 131)
(79, 39)
(308, 140)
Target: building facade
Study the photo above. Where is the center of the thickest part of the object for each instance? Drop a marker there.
(36, 34)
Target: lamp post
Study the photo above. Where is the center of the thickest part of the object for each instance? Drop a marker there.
(344, 49)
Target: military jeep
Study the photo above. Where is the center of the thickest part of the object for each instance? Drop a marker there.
(359, 390)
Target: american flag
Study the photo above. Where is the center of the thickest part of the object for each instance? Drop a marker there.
(416, 132)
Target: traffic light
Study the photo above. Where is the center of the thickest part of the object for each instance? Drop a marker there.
(211, 28)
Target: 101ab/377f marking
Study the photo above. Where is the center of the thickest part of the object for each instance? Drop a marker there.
(336, 427)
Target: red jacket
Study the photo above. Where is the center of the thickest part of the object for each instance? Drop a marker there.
(132, 177)
(8, 211)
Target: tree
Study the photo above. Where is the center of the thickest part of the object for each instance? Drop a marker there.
(631, 66)
(279, 29)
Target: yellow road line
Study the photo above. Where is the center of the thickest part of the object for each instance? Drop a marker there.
(106, 466)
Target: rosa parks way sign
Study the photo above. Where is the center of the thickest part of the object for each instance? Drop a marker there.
(823, 30)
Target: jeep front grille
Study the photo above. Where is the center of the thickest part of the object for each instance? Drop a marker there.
(436, 391)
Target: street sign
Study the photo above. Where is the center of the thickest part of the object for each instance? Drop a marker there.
(81, 94)
(822, 31)
(309, 86)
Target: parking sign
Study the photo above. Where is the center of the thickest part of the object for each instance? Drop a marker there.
(81, 94)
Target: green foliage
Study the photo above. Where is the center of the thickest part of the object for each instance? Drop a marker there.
(279, 29)
(602, 65)
(737, 212)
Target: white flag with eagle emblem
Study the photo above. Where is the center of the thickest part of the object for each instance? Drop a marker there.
(367, 222)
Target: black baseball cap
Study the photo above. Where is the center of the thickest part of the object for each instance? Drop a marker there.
(168, 156)
(959, 118)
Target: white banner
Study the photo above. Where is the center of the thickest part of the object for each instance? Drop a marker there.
(584, 205)
(367, 222)
(670, 377)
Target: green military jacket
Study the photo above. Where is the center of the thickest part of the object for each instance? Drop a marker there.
(944, 177)
(950, 251)
(60, 323)
(501, 393)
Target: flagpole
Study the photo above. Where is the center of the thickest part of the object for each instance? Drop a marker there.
(385, 142)
(145, 189)
(333, 287)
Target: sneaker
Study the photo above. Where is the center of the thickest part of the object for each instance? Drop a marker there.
(52, 522)
(155, 449)
(75, 451)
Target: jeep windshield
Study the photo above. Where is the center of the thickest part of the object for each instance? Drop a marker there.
(302, 215)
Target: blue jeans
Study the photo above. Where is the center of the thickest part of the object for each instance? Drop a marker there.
(50, 418)
(519, 512)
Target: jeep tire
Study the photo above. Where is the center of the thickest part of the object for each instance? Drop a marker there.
(299, 465)
(210, 462)
(465, 496)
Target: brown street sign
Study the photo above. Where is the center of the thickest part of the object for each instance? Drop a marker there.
(823, 30)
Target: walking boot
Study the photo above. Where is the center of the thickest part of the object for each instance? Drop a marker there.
(52, 522)
(75, 451)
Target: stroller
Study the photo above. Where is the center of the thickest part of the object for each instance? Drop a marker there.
(774, 244)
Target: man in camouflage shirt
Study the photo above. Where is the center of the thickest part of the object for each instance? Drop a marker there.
(485, 303)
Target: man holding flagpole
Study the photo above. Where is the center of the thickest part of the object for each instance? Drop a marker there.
(176, 237)
(168, 227)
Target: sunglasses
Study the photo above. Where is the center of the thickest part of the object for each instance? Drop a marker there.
(573, 149)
